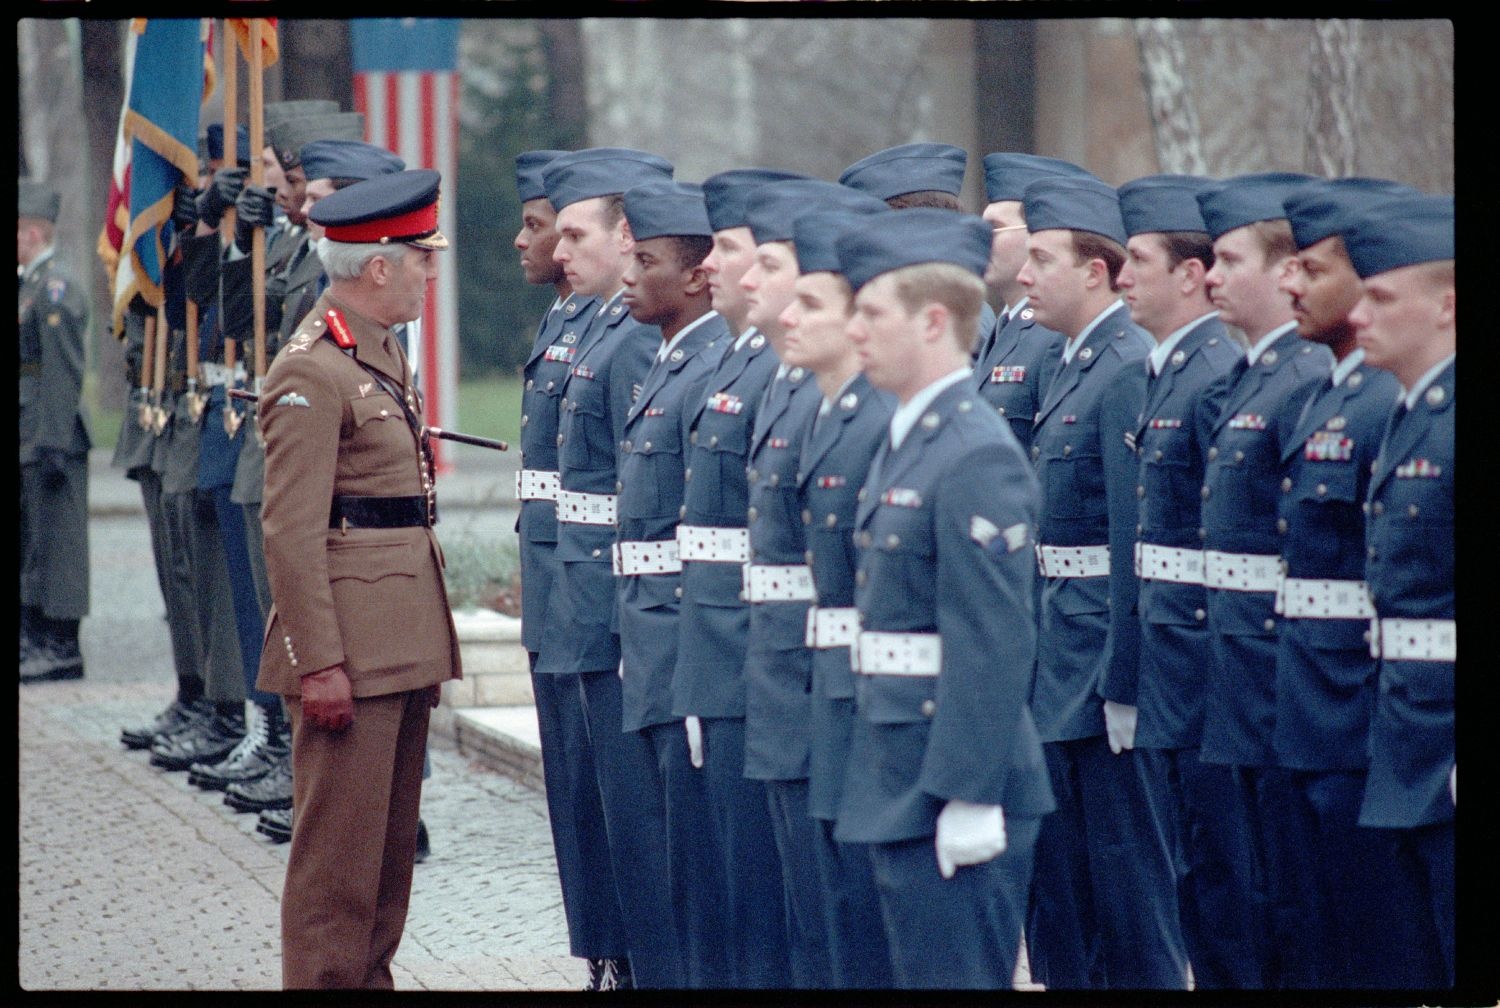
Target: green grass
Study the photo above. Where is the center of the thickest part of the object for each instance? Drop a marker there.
(491, 407)
(104, 424)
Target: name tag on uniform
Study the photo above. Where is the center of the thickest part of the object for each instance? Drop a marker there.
(724, 402)
(1418, 469)
(830, 482)
(901, 497)
(1008, 375)
(1162, 423)
(1328, 446)
(1247, 421)
(556, 352)
(583, 372)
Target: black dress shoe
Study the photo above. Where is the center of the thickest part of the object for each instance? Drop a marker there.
(207, 743)
(273, 791)
(176, 716)
(276, 824)
(53, 661)
(252, 759)
(424, 845)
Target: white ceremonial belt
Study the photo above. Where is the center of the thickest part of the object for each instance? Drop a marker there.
(711, 544)
(585, 508)
(1168, 563)
(831, 627)
(658, 557)
(910, 654)
(1247, 572)
(1414, 639)
(1072, 561)
(778, 583)
(218, 374)
(537, 485)
(1309, 598)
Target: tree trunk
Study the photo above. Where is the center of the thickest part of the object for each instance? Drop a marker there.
(102, 50)
(316, 61)
(1174, 115)
(567, 93)
(1332, 127)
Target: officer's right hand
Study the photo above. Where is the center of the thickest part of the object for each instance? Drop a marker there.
(695, 740)
(254, 208)
(221, 193)
(327, 699)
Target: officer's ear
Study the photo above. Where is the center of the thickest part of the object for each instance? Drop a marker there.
(935, 321)
(697, 281)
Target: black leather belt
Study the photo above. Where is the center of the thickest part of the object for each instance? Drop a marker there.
(378, 512)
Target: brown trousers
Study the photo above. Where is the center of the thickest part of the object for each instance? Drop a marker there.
(356, 795)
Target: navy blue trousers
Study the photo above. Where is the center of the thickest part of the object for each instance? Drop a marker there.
(250, 626)
(1424, 859)
(857, 950)
(635, 821)
(796, 845)
(576, 812)
(1103, 908)
(749, 865)
(959, 932)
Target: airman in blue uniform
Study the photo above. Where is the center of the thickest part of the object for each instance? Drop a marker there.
(606, 368)
(1247, 417)
(946, 779)
(850, 424)
(1017, 356)
(1405, 322)
(1168, 254)
(1104, 908)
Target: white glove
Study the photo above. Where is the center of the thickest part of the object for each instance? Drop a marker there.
(1453, 784)
(695, 740)
(1119, 726)
(622, 669)
(968, 834)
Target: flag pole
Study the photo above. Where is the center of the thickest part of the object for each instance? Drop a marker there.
(232, 418)
(145, 417)
(257, 177)
(163, 348)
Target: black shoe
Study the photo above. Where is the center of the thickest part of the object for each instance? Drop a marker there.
(424, 845)
(251, 760)
(271, 792)
(176, 716)
(53, 661)
(210, 742)
(276, 824)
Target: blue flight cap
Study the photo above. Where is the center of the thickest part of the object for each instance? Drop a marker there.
(347, 159)
(37, 200)
(213, 143)
(662, 208)
(912, 167)
(1162, 203)
(529, 165)
(1076, 203)
(770, 209)
(1400, 231)
(1246, 199)
(726, 193)
(816, 233)
(600, 171)
(384, 210)
(1326, 207)
(890, 240)
(289, 136)
(1007, 175)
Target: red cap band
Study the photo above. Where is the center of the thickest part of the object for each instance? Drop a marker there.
(416, 224)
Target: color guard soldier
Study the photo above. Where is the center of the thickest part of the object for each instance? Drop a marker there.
(1104, 900)
(575, 812)
(848, 427)
(1406, 323)
(360, 630)
(1167, 257)
(1248, 415)
(606, 367)
(1017, 356)
(946, 778)
(52, 314)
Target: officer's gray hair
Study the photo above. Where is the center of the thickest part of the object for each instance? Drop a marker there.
(347, 260)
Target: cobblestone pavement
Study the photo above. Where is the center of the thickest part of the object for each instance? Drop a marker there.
(131, 879)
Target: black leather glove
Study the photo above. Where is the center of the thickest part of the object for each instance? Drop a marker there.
(255, 208)
(54, 465)
(184, 208)
(221, 193)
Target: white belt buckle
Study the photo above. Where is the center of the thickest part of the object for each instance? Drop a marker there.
(830, 627)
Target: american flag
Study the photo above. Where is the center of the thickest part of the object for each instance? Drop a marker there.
(406, 85)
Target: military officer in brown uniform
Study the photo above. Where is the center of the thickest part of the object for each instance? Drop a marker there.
(360, 636)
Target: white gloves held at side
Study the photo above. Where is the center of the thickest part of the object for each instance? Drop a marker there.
(968, 834)
(1119, 726)
(695, 740)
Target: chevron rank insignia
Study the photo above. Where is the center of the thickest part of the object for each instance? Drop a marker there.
(293, 399)
(1130, 440)
(982, 530)
(1015, 536)
(635, 391)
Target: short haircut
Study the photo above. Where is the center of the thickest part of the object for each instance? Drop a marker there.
(691, 249)
(925, 198)
(1181, 246)
(347, 260)
(1440, 272)
(1275, 239)
(612, 210)
(951, 286)
(342, 183)
(1088, 245)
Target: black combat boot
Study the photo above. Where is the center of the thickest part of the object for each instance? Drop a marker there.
(208, 742)
(177, 715)
(272, 791)
(251, 760)
(57, 655)
(276, 824)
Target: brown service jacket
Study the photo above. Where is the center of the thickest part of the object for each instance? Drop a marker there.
(372, 600)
